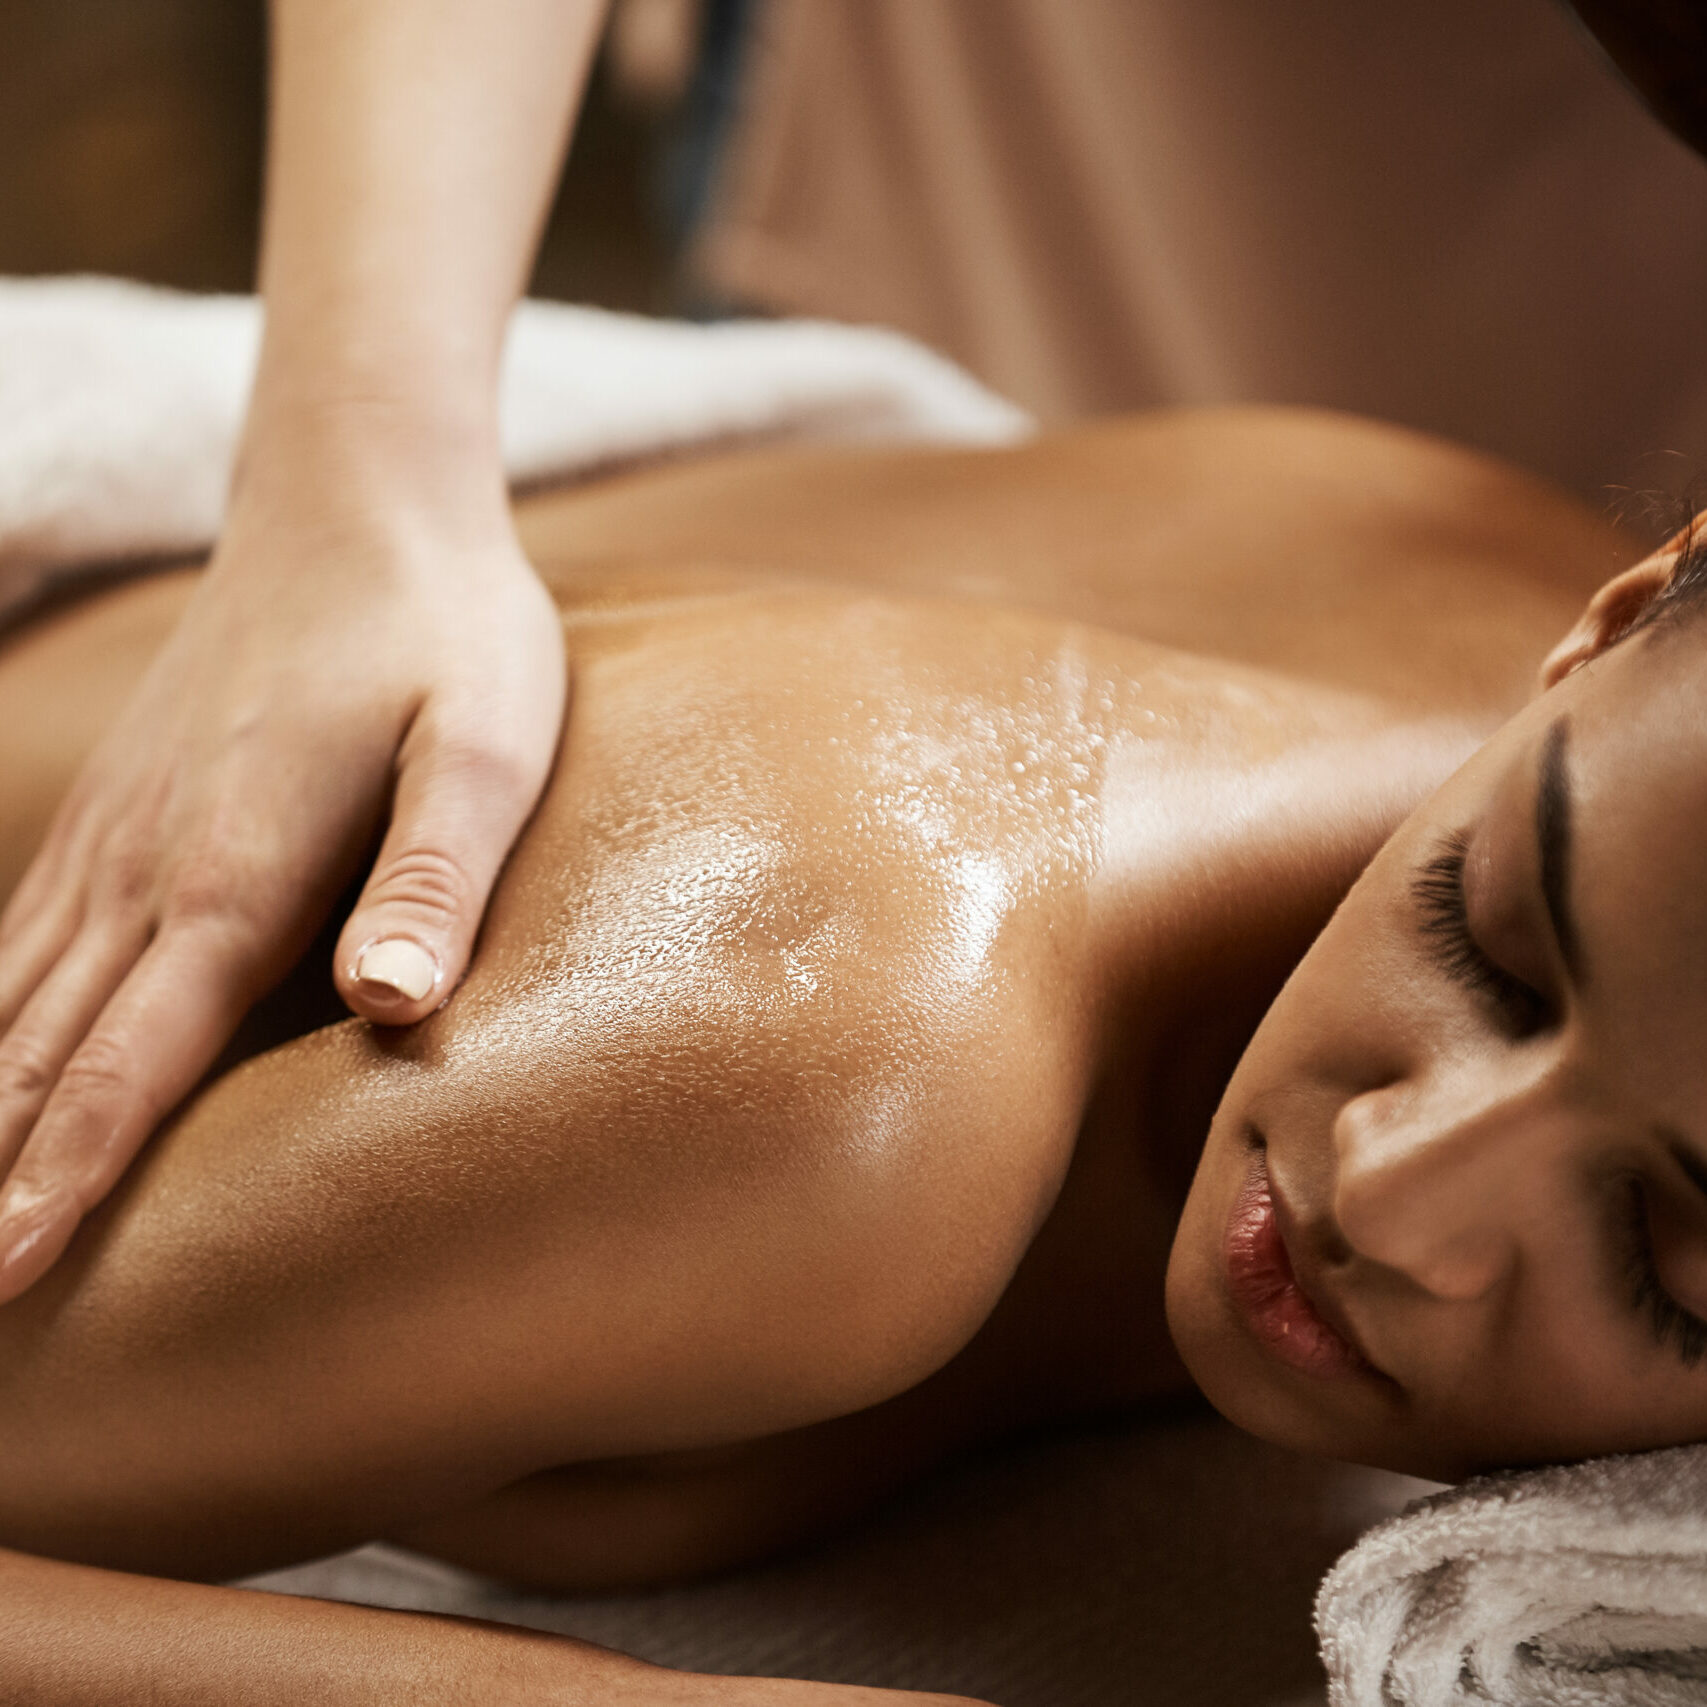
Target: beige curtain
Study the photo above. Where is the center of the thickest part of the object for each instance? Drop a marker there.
(1445, 212)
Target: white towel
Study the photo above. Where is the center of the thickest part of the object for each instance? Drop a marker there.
(120, 406)
(1578, 1586)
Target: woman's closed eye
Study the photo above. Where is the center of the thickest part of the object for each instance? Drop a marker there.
(1438, 891)
(1676, 1328)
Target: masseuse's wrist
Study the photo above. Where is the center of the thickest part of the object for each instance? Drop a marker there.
(381, 463)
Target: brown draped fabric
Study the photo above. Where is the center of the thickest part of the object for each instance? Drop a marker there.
(1447, 212)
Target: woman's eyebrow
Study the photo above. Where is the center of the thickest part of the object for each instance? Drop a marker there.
(1553, 841)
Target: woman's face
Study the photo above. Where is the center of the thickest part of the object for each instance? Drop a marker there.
(1453, 1208)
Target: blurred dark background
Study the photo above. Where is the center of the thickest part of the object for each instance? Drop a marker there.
(131, 136)
(1093, 205)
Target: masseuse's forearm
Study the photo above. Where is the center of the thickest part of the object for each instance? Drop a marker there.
(71, 1636)
(368, 650)
(414, 145)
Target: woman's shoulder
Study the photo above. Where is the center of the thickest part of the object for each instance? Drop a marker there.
(846, 836)
(1310, 542)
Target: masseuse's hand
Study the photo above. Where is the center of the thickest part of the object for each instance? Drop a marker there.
(368, 647)
(352, 658)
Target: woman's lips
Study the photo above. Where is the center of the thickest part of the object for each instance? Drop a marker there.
(1275, 1307)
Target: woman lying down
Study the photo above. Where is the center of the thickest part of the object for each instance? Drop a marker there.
(1012, 936)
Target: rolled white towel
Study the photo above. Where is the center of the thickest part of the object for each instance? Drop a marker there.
(120, 405)
(1583, 1585)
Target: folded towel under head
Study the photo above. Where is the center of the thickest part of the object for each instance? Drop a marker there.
(1583, 1585)
(121, 404)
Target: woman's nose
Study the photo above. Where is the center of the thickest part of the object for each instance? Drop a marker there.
(1437, 1176)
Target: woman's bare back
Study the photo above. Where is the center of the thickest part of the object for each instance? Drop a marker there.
(844, 1021)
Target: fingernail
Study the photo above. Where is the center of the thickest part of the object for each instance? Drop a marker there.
(400, 965)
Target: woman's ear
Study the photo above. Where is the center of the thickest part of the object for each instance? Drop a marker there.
(1615, 609)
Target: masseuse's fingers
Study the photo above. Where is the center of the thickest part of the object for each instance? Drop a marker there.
(28, 952)
(134, 1059)
(462, 795)
(49, 1026)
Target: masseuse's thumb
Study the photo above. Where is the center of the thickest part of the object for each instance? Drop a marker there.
(459, 804)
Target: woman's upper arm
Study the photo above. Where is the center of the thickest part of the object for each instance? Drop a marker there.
(364, 1278)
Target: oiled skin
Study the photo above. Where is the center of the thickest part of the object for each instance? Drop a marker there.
(929, 832)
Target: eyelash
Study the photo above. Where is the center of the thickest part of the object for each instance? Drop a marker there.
(1676, 1328)
(1438, 890)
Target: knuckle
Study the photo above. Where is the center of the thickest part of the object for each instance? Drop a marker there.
(213, 889)
(126, 875)
(425, 881)
(98, 1066)
(26, 1071)
(495, 770)
(98, 1072)
(201, 895)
